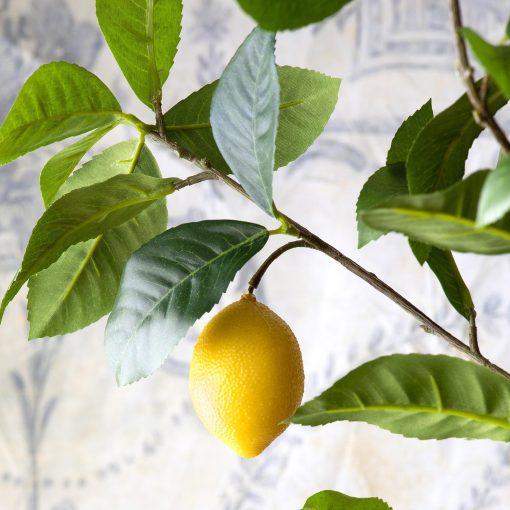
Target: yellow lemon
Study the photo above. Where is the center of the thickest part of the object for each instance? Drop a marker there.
(246, 376)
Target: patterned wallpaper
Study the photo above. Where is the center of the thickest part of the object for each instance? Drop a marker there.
(71, 440)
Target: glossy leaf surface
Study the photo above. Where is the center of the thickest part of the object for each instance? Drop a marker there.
(168, 284)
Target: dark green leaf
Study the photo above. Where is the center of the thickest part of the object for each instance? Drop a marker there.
(420, 250)
(143, 36)
(389, 181)
(495, 196)
(399, 152)
(84, 214)
(80, 287)
(331, 500)
(288, 14)
(445, 219)
(407, 133)
(445, 268)
(437, 157)
(58, 101)
(244, 116)
(307, 100)
(418, 395)
(168, 284)
(495, 59)
(60, 166)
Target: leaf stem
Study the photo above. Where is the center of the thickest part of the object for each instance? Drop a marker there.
(138, 152)
(316, 242)
(482, 115)
(257, 277)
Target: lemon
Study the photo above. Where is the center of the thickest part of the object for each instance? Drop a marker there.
(246, 376)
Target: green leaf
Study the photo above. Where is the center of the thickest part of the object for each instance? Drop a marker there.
(244, 116)
(389, 181)
(332, 500)
(407, 133)
(168, 284)
(84, 214)
(399, 152)
(420, 250)
(494, 59)
(495, 196)
(58, 101)
(445, 268)
(288, 14)
(438, 156)
(445, 219)
(307, 100)
(143, 36)
(418, 395)
(60, 166)
(80, 287)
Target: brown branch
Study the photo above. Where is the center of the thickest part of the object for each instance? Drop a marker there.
(473, 333)
(195, 179)
(316, 242)
(160, 120)
(482, 115)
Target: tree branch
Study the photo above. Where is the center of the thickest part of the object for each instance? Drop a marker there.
(316, 242)
(482, 115)
(195, 179)
(473, 333)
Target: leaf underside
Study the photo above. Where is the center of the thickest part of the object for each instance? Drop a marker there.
(244, 116)
(307, 100)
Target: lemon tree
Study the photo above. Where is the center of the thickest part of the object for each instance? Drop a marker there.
(102, 246)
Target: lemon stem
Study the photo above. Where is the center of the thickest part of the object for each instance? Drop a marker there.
(257, 277)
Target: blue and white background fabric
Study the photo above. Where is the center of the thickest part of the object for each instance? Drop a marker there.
(70, 439)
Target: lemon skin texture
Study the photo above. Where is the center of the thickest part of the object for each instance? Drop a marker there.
(246, 376)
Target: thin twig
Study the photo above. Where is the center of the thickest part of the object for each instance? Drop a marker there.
(195, 179)
(255, 279)
(160, 120)
(482, 115)
(473, 333)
